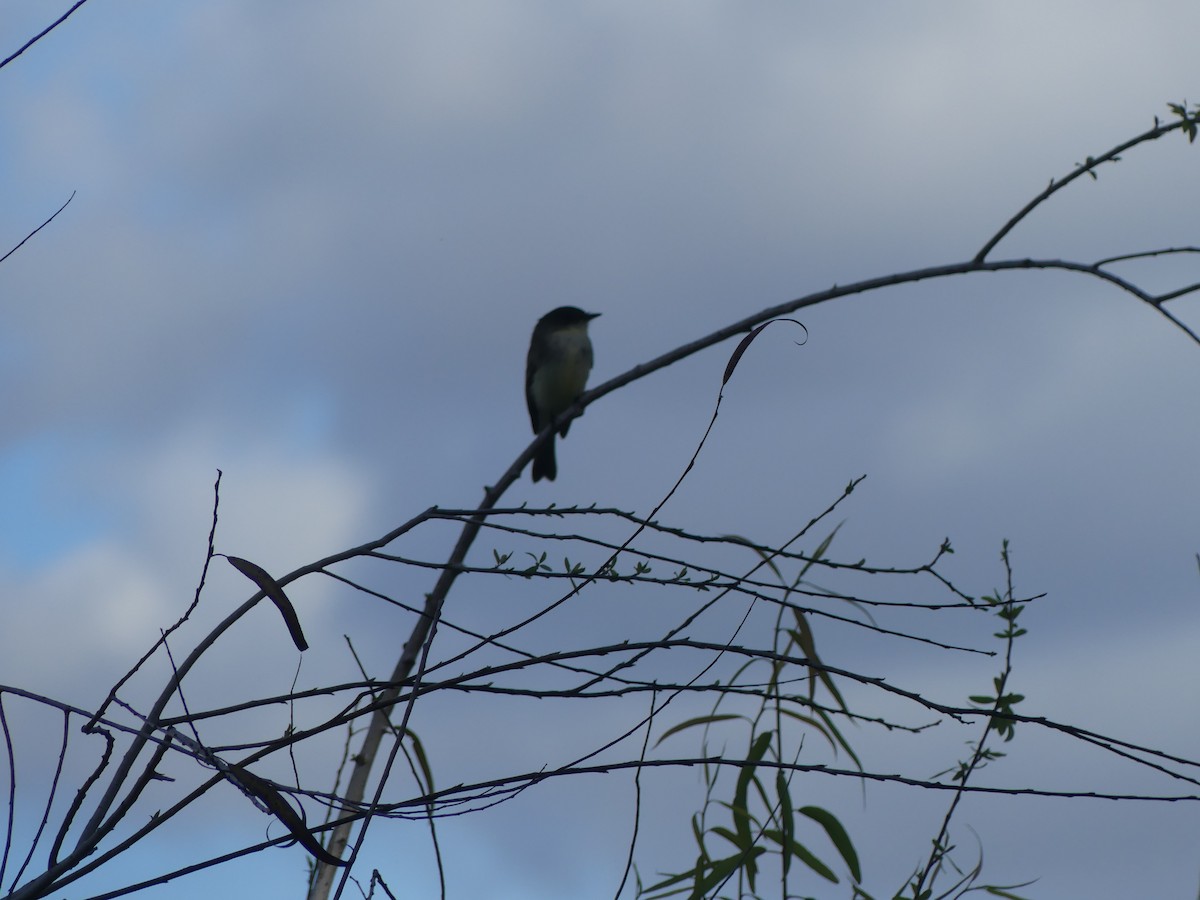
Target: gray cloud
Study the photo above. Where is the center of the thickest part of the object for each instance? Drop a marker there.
(308, 247)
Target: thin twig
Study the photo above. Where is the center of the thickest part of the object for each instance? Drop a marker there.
(1086, 168)
(41, 34)
(39, 228)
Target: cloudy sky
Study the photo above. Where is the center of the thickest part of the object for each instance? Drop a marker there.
(308, 243)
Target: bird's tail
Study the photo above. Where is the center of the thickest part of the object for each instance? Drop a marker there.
(544, 464)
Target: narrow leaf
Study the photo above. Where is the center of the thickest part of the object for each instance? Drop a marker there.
(842, 742)
(757, 750)
(280, 808)
(422, 761)
(745, 343)
(837, 834)
(736, 357)
(272, 589)
(738, 840)
(786, 820)
(802, 853)
(722, 869)
(692, 723)
(812, 723)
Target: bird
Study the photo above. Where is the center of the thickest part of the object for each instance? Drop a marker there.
(556, 371)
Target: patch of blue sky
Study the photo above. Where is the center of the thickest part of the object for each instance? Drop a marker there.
(82, 55)
(310, 421)
(41, 517)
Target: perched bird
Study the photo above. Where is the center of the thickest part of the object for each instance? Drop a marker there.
(556, 370)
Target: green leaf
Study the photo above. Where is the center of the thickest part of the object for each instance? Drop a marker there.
(802, 635)
(736, 838)
(422, 761)
(767, 559)
(842, 742)
(722, 869)
(740, 806)
(802, 853)
(692, 723)
(672, 880)
(759, 748)
(757, 751)
(786, 814)
(1001, 892)
(810, 721)
(837, 834)
(819, 553)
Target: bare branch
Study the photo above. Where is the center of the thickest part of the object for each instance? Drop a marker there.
(41, 34)
(36, 230)
(1087, 167)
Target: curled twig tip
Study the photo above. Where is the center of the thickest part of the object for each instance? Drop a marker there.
(745, 343)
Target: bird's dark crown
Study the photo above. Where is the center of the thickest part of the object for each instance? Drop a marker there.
(565, 315)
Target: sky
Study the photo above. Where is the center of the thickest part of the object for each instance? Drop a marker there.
(307, 245)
